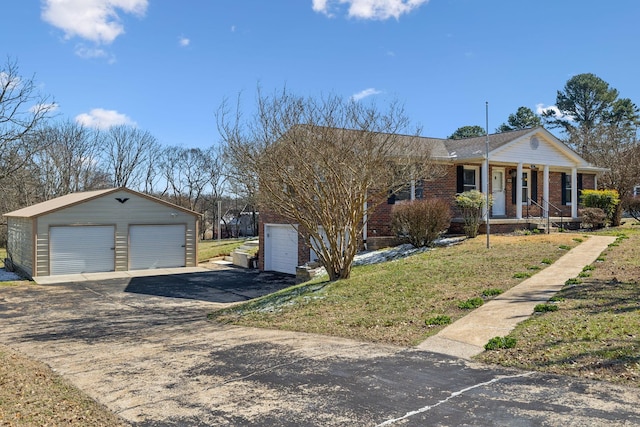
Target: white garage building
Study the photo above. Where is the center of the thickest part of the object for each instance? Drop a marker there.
(99, 231)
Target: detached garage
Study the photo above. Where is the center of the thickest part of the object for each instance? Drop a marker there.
(98, 231)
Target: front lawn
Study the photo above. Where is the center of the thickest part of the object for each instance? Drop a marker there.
(390, 302)
(208, 249)
(595, 333)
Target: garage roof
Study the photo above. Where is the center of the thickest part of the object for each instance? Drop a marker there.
(72, 199)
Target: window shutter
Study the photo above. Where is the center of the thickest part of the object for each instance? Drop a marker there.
(480, 179)
(459, 179)
(563, 182)
(514, 185)
(534, 186)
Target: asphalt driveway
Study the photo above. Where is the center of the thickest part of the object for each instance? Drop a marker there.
(144, 348)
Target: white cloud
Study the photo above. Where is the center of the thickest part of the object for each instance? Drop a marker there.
(541, 109)
(365, 93)
(184, 42)
(100, 118)
(369, 9)
(44, 108)
(95, 20)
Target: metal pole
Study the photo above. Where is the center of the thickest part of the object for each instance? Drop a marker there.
(219, 218)
(488, 174)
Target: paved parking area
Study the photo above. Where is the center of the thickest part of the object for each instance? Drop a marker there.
(145, 349)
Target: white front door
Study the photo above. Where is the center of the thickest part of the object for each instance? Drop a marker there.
(497, 192)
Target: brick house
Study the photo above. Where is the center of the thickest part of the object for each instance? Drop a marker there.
(534, 179)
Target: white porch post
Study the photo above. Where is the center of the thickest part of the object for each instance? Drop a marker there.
(545, 190)
(519, 191)
(595, 182)
(574, 193)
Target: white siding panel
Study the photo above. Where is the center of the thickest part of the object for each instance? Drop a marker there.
(522, 151)
(76, 250)
(20, 242)
(156, 246)
(281, 248)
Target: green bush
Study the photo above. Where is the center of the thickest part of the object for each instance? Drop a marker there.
(607, 200)
(496, 343)
(543, 308)
(472, 203)
(471, 303)
(438, 320)
(420, 222)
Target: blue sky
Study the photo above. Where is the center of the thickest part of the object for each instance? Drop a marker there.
(166, 65)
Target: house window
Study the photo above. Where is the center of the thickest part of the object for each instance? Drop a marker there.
(470, 178)
(412, 191)
(566, 188)
(526, 188)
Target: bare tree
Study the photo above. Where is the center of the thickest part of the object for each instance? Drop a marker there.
(69, 160)
(186, 173)
(126, 152)
(324, 163)
(22, 110)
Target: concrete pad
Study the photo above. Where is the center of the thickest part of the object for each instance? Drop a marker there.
(84, 277)
(466, 337)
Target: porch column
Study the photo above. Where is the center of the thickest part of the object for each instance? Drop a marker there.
(574, 193)
(545, 191)
(595, 182)
(519, 191)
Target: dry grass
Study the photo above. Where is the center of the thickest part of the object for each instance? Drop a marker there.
(389, 303)
(596, 331)
(32, 395)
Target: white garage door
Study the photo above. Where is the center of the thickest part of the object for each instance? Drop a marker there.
(85, 249)
(156, 246)
(281, 248)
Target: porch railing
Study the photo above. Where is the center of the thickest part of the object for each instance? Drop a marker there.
(545, 206)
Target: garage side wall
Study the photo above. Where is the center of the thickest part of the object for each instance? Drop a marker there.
(108, 210)
(20, 243)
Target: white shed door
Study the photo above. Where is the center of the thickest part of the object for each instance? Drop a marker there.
(281, 248)
(83, 249)
(157, 246)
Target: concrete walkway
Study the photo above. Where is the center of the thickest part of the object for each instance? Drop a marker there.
(466, 337)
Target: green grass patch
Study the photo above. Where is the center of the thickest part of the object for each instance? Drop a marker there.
(578, 240)
(208, 249)
(546, 261)
(588, 268)
(544, 308)
(491, 292)
(522, 275)
(556, 298)
(438, 320)
(572, 281)
(497, 343)
(471, 303)
(565, 247)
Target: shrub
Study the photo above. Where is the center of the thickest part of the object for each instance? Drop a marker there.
(496, 343)
(438, 320)
(607, 200)
(491, 292)
(593, 218)
(632, 206)
(543, 308)
(471, 303)
(472, 203)
(420, 222)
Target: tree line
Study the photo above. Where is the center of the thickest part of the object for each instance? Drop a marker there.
(42, 157)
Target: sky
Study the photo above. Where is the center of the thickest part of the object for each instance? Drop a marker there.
(165, 66)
